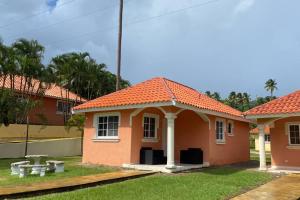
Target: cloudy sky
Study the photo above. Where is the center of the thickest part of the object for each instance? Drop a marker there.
(218, 45)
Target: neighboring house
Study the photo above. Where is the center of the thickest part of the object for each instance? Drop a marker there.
(52, 105)
(254, 133)
(282, 115)
(162, 114)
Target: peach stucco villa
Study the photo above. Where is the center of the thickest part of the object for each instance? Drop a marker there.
(165, 122)
(282, 115)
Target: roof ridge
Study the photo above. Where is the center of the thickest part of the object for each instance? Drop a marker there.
(200, 94)
(173, 96)
(182, 85)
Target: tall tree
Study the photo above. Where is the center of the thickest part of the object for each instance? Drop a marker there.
(271, 85)
(22, 81)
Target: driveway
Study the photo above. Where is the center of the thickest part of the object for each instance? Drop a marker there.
(283, 188)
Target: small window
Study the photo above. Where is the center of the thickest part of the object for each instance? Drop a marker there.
(267, 138)
(230, 128)
(107, 126)
(294, 134)
(220, 137)
(62, 107)
(149, 127)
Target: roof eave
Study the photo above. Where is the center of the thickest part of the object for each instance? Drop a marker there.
(275, 115)
(169, 103)
(123, 107)
(211, 112)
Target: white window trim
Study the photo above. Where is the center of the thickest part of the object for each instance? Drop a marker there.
(218, 141)
(288, 132)
(95, 125)
(232, 127)
(155, 138)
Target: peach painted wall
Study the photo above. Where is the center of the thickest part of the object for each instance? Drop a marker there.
(236, 147)
(107, 152)
(191, 132)
(281, 155)
(138, 134)
(48, 109)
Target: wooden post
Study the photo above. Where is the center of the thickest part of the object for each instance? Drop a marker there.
(119, 53)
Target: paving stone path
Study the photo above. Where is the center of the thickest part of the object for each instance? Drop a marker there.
(283, 188)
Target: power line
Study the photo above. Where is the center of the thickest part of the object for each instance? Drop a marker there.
(67, 20)
(34, 15)
(137, 21)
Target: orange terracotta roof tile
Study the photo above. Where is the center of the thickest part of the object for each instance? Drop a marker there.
(54, 91)
(283, 105)
(159, 90)
(255, 130)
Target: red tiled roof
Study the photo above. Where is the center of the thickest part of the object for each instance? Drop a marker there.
(255, 130)
(54, 91)
(159, 90)
(283, 105)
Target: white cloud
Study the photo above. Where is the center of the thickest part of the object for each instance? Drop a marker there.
(243, 6)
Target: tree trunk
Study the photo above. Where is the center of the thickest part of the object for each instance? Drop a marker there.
(82, 142)
(27, 136)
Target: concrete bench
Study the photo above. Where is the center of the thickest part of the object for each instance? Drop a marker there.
(15, 167)
(24, 170)
(55, 165)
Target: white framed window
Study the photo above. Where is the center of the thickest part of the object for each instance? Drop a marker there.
(230, 127)
(150, 125)
(62, 106)
(294, 134)
(107, 125)
(220, 130)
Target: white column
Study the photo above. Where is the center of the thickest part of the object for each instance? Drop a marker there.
(262, 151)
(170, 140)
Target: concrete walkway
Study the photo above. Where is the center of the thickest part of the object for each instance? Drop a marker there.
(283, 188)
(69, 183)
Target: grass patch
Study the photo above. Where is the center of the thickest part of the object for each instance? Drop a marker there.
(254, 155)
(208, 184)
(73, 167)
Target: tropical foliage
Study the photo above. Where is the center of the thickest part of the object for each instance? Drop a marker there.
(271, 86)
(243, 101)
(79, 73)
(21, 62)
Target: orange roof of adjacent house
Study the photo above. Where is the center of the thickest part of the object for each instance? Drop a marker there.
(53, 91)
(159, 90)
(255, 130)
(284, 105)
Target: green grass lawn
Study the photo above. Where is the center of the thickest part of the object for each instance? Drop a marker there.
(73, 168)
(213, 183)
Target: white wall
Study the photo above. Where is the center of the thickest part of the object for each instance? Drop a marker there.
(55, 148)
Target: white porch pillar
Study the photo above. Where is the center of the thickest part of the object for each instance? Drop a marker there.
(262, 151)
(170, 140)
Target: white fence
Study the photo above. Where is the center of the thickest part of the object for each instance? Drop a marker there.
(55, 148)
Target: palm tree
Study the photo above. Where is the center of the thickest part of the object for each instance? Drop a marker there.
(271, 85)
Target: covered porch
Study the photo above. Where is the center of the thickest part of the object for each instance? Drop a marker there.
(285, 143)
(163, 137)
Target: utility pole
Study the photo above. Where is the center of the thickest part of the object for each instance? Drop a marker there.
(119, 53)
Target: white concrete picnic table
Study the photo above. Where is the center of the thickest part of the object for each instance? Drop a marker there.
(37, 162)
